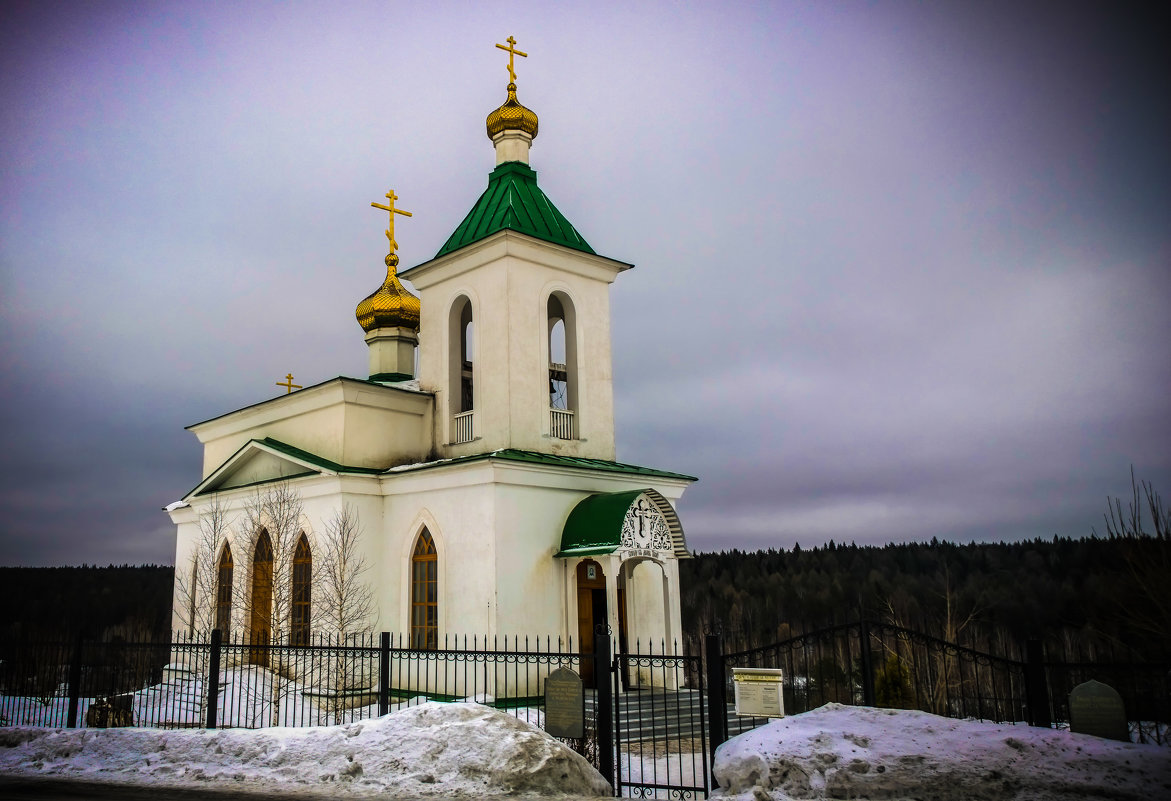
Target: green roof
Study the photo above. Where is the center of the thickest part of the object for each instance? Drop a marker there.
(595, 524)
(513, 201)
(313, 458)
(516, 455)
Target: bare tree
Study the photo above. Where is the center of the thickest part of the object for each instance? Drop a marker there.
(1145, 604)
(268, 532)
(345, 601)
(196, 590)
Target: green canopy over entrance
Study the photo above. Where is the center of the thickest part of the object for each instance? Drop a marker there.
(594, 525)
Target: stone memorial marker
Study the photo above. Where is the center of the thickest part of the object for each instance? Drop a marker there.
(1096, 708)
(564, 704)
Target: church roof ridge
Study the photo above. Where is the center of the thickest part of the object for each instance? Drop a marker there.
(513, 201)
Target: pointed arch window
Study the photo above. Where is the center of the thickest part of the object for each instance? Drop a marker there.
(425, 593)
(302, 591)
(260, 630)
(223, 596)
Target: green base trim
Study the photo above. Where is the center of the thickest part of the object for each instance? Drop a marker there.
(391, 378)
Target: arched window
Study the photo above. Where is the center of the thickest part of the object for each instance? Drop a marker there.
(223, 595)
(425, 594)
(563, 383)
(302, 582)
(260, 631)
(461, 374)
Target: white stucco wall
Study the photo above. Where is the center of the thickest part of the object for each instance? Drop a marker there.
(509, 278)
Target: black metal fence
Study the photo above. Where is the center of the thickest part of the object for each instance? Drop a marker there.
(234, 683)
(660, 725)
(653, 720)
(878, 664)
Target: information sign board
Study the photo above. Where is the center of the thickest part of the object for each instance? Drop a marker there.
(758, 692)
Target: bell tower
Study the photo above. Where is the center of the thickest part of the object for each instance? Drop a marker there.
(514, 336)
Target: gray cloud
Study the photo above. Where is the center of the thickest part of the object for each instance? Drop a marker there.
(902, 270)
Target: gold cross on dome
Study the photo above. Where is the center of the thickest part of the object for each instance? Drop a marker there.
(392, 197)
(288, 384)
(512, 51)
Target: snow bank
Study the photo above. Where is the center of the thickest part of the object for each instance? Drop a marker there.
(865, 753)
(432, 749)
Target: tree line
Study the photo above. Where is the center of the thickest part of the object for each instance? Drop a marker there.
(1082, 596)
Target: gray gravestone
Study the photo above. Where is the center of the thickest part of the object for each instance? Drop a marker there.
(1096, 708)
(564, 704)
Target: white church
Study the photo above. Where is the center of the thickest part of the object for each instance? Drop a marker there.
(485, 485)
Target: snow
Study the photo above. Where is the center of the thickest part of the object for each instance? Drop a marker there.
(470, 750)
(451, 750)
(865, 753)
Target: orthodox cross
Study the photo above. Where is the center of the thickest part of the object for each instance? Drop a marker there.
(512, 51)
(392, 197)
(643, 513)
(288, 384)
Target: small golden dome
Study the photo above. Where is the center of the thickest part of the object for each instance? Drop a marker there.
(512, 116)
(392, 306)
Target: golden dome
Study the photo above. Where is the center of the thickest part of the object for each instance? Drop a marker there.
(512, 116)
(392, 306)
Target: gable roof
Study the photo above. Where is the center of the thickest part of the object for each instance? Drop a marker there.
(260, 461)
(513, 201)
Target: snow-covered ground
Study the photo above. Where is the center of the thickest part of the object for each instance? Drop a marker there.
(459, 749)
(865, 753)
(470, 750)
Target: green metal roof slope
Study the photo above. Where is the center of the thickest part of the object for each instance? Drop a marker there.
(594, 526)
(513, 201)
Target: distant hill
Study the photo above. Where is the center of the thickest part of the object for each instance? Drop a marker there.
(127, 602)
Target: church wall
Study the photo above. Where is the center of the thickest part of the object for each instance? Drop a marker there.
(509, 278)
(186, 537)
(379, 438)
(346, 421)
(530, 581)
(456, 507)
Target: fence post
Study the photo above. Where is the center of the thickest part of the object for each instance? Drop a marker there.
(603, 678)
(717, 698)
(1036, 686)
(74, 682)
(213, 679)
(867, 666)
(384, 674)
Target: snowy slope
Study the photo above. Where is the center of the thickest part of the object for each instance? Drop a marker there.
(865, 753)
(432, 749)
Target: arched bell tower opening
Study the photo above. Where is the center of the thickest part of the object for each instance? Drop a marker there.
(461, 370)
(561, 326)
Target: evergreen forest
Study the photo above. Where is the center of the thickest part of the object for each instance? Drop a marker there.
(115, 603)
(1089, 597)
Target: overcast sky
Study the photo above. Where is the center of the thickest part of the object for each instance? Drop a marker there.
(903, 269)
